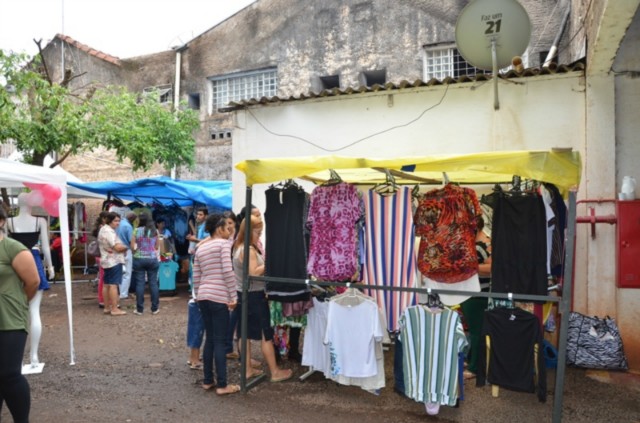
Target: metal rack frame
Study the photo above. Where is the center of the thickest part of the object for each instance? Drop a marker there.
(563, 301)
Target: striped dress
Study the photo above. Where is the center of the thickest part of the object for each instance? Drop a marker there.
(390, 258)
(431, 341)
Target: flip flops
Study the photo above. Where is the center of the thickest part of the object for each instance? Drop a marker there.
(288, 375)
(118, 313)
(229, 389)
(197, 366)
(208, 386)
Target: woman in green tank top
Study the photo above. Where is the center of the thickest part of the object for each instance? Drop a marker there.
(19, 282)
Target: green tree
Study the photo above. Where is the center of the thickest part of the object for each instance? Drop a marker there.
(43, 117)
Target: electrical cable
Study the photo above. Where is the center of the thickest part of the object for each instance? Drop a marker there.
(333, 150)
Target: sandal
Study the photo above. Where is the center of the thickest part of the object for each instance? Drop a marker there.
(288, 375)
(197, 366)
(118, 313)
(229, 389)
(208, 386)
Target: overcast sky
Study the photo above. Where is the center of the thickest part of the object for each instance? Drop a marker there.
(121, 28)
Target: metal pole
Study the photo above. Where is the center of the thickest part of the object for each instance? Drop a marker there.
(244, 312)
(563, 306)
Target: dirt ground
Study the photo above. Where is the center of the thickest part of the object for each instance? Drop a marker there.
(133, 369)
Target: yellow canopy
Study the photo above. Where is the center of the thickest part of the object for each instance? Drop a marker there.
(562, 168)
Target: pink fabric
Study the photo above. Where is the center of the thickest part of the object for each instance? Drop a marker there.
(332, 219)
(298, 308)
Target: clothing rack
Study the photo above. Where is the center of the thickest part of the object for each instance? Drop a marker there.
(563, 301)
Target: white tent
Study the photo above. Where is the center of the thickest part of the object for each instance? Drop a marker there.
(71, 191)
(13, 175)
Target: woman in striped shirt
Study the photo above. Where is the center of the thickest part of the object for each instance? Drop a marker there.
(215, 286)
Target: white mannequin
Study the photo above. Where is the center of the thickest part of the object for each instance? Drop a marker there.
(26, 222)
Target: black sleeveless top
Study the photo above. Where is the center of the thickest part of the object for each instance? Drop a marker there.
(28, 239)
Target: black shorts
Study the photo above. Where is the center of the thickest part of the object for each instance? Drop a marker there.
(259, 321)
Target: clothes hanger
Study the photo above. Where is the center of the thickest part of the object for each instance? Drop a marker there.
(387, 187)
(415, 192)
(433, 301)
(334, 178)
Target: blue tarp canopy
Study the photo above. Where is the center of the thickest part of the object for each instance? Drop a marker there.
(166, 191)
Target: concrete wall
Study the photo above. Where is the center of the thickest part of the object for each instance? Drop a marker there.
(307, 40)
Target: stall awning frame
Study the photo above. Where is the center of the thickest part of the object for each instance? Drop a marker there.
(561, 168)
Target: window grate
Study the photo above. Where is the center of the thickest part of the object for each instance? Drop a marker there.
(244, 87)
(441, 63)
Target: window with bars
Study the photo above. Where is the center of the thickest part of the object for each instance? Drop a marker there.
(244, 86)
(441, 62)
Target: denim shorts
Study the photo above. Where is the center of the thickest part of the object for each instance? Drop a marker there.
(113, 275)
(195, 326)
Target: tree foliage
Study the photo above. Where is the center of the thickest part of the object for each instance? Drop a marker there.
(44, 117)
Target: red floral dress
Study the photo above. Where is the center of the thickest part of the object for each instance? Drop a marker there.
(446, 222)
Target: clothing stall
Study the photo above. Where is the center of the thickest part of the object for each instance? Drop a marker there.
(561, 168)
(15, 175)
(170, 197)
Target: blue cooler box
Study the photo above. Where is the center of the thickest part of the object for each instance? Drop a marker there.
(167, 275)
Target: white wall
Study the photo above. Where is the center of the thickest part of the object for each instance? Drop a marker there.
(536, 113)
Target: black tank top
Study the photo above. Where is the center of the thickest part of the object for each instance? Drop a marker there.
(28, 239)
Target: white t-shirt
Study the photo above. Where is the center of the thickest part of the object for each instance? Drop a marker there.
(351, 335)
(315, 353)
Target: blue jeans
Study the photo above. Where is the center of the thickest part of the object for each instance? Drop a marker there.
(195, 327)
(231, 330)
(215, 317)
(146, 267)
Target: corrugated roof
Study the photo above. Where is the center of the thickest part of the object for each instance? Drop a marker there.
(91, 51)
(391, 86)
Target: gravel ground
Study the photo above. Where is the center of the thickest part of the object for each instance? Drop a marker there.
(133, 369)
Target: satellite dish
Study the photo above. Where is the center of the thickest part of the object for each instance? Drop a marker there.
(482, 23)
(490, 33)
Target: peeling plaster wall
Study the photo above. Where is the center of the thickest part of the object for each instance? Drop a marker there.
(305, 40)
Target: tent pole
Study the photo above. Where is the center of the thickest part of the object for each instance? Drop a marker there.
(564, 306)
(245, 295)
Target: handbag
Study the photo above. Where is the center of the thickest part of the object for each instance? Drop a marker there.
(594, 343)
(93, 248)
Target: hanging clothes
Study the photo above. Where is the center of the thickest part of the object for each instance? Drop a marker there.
(389, 245)
(510, 353)
(329, 346)
(560, 224)
(519, 240)
(285, 245)
(446, 222)
(333, 251)
(351, 347)
(431, 339)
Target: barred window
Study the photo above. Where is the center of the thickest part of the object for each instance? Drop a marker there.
(441, 62)
(244, 86)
